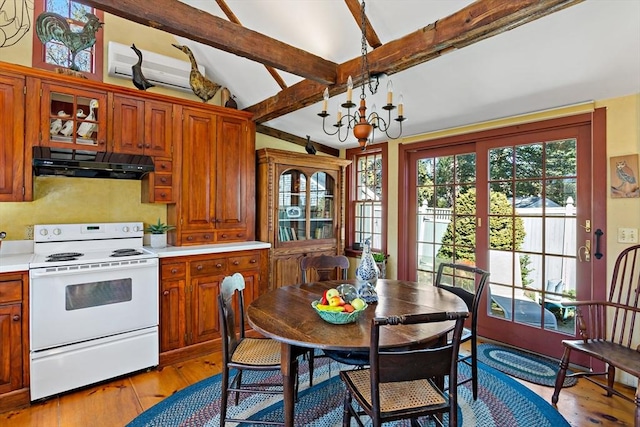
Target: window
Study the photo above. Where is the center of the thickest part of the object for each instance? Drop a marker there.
(366, 211)
(54, 54)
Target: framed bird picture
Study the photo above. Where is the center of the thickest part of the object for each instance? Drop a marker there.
(624, 176)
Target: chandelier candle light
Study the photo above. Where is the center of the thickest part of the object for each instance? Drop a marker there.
(363, 126)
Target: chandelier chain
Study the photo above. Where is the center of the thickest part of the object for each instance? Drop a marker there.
(366, 75)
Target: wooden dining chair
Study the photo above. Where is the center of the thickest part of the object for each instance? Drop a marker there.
(467, 282)
(405, 384)
(606, 329)
(326, 267)
(242, 353)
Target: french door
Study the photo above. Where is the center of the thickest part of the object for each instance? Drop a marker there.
(520, 206)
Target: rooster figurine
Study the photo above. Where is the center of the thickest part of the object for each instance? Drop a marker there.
(51, 26)
(138, 79)
(204, 88)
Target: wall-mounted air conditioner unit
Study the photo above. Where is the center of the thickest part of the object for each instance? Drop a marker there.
(159, 69)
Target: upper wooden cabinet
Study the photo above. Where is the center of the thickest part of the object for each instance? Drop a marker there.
(139, 126)
(300, 209)
(71, 117)
(216, 201)
(12, 105)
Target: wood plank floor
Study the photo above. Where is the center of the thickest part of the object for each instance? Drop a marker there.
(115, 403)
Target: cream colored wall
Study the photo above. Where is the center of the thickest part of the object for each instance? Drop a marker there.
(77, 200)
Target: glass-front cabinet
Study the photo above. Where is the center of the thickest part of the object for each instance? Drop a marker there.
(306, 205)
(73, 118)
(300, 209)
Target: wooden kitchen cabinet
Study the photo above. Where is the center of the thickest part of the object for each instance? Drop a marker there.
(145, 126)
(72, 117)
(216, 201)
(300, 209)
(189, 291)
(13, 337)
(141, 126)
(12, 105)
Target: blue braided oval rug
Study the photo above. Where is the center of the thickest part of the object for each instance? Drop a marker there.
(521, 364)
(502, 401)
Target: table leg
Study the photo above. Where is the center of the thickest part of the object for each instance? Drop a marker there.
(288, 363)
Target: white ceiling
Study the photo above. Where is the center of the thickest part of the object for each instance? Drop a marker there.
(589, 51)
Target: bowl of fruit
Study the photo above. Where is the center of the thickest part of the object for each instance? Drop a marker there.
(333, 308)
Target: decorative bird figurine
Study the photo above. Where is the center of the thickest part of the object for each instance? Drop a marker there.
(51, 26)
(138, 79)
(310, 147)
(204, 88)
(86, 128)
(231, 102)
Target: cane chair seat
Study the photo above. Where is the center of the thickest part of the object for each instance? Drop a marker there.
(257, 351)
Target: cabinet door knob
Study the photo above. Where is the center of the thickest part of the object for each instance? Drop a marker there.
(139, 145)
(236, 262)
(253, 261)
(224, 236)
(218, 265)
(240, 235)
(16, 318)
(147, 146)
(163, 195)
(207, 236)
(163, 180)
(199, 267)
(190, 238)
(163, 166)
(165, 293)
(174, 270)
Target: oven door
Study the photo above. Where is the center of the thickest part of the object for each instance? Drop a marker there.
(73, 304)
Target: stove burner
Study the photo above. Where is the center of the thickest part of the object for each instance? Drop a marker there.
(125, 252)
(61, 258)
(65, 255)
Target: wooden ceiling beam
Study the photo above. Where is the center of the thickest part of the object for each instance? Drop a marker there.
(370, 34)
(289, 137)
(183, 20)
(478, 21)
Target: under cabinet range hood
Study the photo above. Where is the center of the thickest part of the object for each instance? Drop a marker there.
(48, 161)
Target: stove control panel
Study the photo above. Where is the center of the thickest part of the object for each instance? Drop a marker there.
(91, 231)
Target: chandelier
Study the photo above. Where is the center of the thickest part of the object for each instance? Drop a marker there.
(364, 127)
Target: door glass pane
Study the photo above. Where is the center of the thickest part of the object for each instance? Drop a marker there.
(292, 211)
(321, 205)
(446, 214)
(532, 233)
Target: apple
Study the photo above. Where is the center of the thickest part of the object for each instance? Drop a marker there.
(348, 308)
(358, 303)
(332, 293)
(336, 301)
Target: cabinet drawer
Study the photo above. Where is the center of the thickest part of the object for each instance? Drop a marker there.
(232, 236)
(208, 266)
(11, 291)
(178, 269)
(198, 238)
(163, 194)
(163, 179)
(163, 165)
(244, 262)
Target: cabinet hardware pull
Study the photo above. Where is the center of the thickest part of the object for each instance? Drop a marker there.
(16, 318)
(139, 145)
(224, 236)
(218, 265)
(165, 293)
(163, 166)
(174, 270)
(163, 180)
(199, 267)
(253, 261)
(207, 236)
(163, 195)
(190, 238)
(236, 263)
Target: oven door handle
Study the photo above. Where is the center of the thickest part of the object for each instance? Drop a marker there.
(89, 269)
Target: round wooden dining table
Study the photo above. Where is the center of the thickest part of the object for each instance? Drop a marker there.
(285, 314)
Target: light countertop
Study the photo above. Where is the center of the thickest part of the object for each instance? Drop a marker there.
(14, 257)
(172, 251)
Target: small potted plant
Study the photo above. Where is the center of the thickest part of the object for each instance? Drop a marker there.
(381, 261)
(159, 234)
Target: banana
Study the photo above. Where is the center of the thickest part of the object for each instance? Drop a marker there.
(325, 307)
